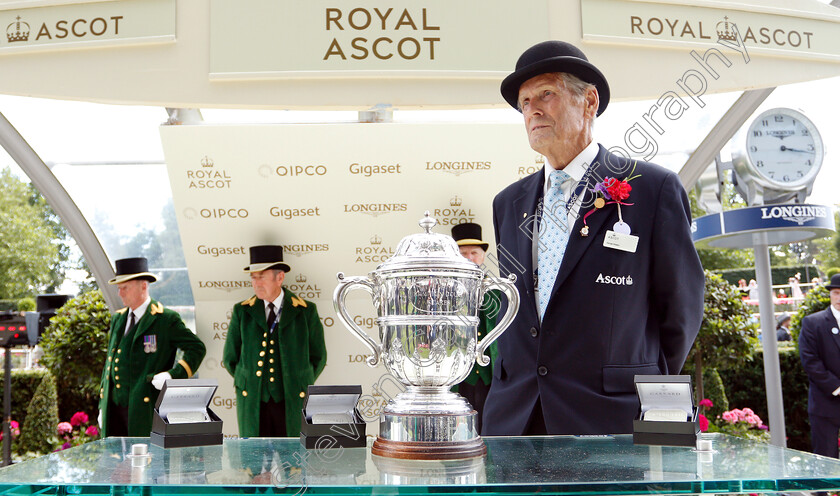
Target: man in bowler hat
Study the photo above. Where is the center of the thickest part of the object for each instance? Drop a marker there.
(274, 349)
(142, 344)
(477, 384)
(609, 281)
(819, 350)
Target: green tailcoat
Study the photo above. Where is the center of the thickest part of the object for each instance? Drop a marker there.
(488, 315)
(169, 333)
(303, 355)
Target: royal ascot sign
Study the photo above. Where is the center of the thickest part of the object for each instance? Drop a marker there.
(87, 24)
(743, 27)
(780, 224)
(360, 38)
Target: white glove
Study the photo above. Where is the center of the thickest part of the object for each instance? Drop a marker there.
(99, 420)
(159, 379)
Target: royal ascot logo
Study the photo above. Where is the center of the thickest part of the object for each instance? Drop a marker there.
(455, 213)
(17, 31)
(375, 251)
(614, 280)
(216, 251)
(207, 176)
(305, 249)
(303, 287)
(292, 170)
(794, 213)
(458, 167)
(216, 213)
(291, 213)
(725, 31)
(374, 170)
(375, 209)
(539, 162)
(226, 286)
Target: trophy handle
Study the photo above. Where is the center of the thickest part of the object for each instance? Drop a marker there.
(507, 286)
(345, 285)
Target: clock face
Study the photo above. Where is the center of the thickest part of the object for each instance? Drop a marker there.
(784, 149)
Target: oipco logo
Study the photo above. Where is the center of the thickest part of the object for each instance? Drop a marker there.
(375, 209)
(216, 213)
(208, 176)
(454, 214)
(615, 280)
(292, 170)
(375, 251)
(458, 167)
(305, 248)
(303, 287)
(371, 170)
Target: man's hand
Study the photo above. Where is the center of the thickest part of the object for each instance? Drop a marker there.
(159, 379)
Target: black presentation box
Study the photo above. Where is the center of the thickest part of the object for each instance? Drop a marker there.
(186, 397)
(332, 401)
(667, 393)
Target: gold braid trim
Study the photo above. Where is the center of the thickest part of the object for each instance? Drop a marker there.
(186, 367)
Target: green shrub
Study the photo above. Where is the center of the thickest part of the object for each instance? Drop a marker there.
(26, 305)
(815, 300)
(830, 272)
(714, 390)
(38, 430)
(75, 346)
(24, 384)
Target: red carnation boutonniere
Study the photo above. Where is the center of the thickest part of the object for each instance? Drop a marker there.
(610, 191)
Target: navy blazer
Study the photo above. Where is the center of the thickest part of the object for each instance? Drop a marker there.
(819, 350)
(612, 314)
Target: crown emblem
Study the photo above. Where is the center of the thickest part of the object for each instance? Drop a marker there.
(300, 278)
(725, 33)
(375, 240)
(20, 31)
(207, 161)
(455, 201)
(539, 159)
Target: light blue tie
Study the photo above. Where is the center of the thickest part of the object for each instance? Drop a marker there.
(553, 237)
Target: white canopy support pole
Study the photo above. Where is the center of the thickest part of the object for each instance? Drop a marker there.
(64, 207)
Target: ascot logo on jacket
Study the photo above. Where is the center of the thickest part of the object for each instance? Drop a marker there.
(615, 280)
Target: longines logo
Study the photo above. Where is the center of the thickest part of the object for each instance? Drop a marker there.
(725, 30)
(19, 30)
(458, 167)
(794, 213)
(292, 170)
(303, 287)
(375, 209)
(291, 213)
(208, 176)
(215, 251)
(305, 248)
(455, 213)
(373, 252)
(374, 170)
(226, 286)
(216, 213)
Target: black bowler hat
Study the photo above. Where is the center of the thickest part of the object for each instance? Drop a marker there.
(266, 257)
(468, 234)
(554, 56)
(132, 268)
(835, 282)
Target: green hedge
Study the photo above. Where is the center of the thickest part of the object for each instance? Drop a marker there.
(745, 388)
(38, 430)
(779, 275)
(24, 384)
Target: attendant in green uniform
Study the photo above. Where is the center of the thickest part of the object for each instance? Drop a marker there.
(274, 350)
(476, 386)
(142, 344)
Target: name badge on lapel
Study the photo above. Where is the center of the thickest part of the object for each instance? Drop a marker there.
(619, 241)
(150, 343)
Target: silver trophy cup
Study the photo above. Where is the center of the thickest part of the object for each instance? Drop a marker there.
(427, 298)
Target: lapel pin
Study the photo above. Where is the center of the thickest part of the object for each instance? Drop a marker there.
(835, 331)
(584, 231)
(600, 202)
(524, 215)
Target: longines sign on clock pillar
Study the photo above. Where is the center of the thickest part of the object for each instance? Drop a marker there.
(338, 197)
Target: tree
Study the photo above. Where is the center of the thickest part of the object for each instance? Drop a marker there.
(28, 251)
(828, 249)
(61, 238)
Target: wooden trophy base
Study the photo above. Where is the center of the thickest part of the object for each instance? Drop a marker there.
(424, 450)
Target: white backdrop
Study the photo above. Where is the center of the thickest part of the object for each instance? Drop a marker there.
(338, 197)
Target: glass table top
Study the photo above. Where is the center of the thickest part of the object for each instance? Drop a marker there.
(513, 465)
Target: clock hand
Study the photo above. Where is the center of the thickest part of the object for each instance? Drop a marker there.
(787, 149)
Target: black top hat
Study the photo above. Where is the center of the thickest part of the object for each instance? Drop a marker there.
(266, 257)
(835, 282)
(468, 234)
(132, 268)
(554, 56)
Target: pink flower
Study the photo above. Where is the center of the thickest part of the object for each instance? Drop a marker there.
(706, 402)
(64, 428)
(92, 431)
(704, 422)
(78, 419)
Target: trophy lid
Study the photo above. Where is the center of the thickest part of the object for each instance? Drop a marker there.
(428, 250)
